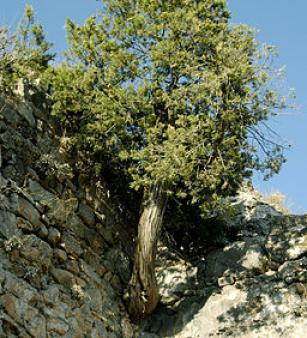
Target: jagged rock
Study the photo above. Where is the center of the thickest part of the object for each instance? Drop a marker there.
(56, 326)
(3, 181)
(71, 245)
(21, 312)
(236, 257)
(76, 225)
(127, 329)
(174, 279)
(118, 263)
(292, 271)
(9, 114)
(72, 265)
(51, 295)
(46, 240)
(61, 211)
(288, 238)
(60, 255)
(41, 195)
(227, 280)
(43, 232)
(258, 283)
(89, 271)
(25, 111)
(107, 232)
(62, 274)
(24, 225)
(248, 207)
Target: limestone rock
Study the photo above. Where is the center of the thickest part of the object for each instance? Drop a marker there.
(25, 111)
(227, 280)
(3, 181)
(62, 273)
(288, 238)
(236, 257)
(255, 286)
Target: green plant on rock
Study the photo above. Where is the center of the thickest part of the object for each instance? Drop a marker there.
(24, 55)
(173, 96)
(13, 243)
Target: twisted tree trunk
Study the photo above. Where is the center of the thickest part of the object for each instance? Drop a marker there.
(143, 290)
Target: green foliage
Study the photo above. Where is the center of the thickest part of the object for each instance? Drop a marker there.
(170, 93)
(23, 54)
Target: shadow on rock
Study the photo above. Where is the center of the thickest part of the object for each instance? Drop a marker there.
(253, 287)
(273, 302)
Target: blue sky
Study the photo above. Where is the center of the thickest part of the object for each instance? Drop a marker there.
(280, 22)
(51, 14)
(283, 23)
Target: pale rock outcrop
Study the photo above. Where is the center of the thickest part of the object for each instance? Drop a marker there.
(253, 287)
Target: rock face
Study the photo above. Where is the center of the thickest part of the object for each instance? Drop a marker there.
(255, 286)
(63, 258)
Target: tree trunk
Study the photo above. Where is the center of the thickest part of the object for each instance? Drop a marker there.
(143, 294)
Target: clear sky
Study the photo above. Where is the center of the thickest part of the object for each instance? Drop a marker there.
(280, 22)
(283, 23)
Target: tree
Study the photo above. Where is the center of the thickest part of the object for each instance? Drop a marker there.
(24, 55)
(177, 99)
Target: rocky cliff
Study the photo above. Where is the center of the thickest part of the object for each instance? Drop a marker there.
(254, 284)
(65, 255)
(64, 259)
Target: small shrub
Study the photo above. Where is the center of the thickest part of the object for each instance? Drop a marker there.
(278, 201)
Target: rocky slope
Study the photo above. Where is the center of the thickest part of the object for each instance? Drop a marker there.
(64, 259)
(253, 286)
(65, 255)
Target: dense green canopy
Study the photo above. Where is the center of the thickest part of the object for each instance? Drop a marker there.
(173, 94)
(167, 94)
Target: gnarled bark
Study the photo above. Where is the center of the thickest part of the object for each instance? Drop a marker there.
(143, 290)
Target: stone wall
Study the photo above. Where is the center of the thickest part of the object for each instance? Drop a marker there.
(64, 255)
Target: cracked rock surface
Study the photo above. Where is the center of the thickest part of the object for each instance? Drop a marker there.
(63, 260)
(255, 286)
(65, 256)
